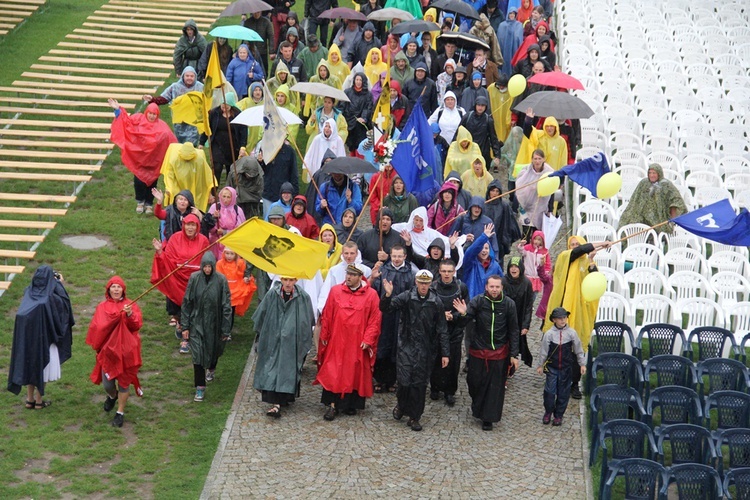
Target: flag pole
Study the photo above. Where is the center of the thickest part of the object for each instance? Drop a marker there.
(356, 222)
(641, 232)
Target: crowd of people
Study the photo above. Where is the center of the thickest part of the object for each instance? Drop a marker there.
(395, 308)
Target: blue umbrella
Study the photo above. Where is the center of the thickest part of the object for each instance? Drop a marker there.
(235, 32)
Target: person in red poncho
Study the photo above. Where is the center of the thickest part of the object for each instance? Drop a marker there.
(143, 139)
(350, 326)
(113, 334)
(182, 248)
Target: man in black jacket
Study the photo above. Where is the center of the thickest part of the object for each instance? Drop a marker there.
(424, 86)
(482, 128)
(363, 45)
(313, 9)
(261, 25)
(374, 248)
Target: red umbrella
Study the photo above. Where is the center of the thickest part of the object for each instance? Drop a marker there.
(343, 13)
(557, 79)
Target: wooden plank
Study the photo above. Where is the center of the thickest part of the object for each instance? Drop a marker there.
(49, 166)
(168, 25)
(17, 254)
(213, 6)
(12, 20)
(110, 35)
(99, 71)
(32, 2)
(57, 144)
(103, 62)
(12, 269)
(4, 285)
(48, 212)
(17, 13)
(47, 124)
(114, 55)
(28, 224)
(136, 10)
(148, 50)
(50, 133)
(26, 153)
(19, 6)
(22, 238)
(45, 177)
(101, 37)
(55, 112)
(175, 32)
(37, 198)
(90, 79)
(8, 26)
(60, 102)
(139, 91)
(3, 32)
(71, 93)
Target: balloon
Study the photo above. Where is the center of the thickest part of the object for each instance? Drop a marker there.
(547, 186)
(609, 185)
(516, 85)
(593, 286)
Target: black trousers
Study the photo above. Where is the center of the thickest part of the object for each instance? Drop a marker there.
(446, 379)
(143, 191)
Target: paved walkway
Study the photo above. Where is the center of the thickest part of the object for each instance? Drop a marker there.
(371, 454)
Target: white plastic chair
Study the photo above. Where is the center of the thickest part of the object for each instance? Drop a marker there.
(608, 258)
(624, 140)
(644, 237)
(729, 165)
(737, 183)
(686, 259)
(642, 255)
(730, 288)
(629, 158)
(707, 195)
(696, 145)
(613, 307)
(703, 178)
(615, 281)
(653, 309)
(594, 211)
(694, 128)
(727, 146)
(727, 261)
(668, 161)
(688, 284)
(614, 108)
(742, 199)
(594, 138)
(684, 102)
(645, 281)
(717, 105)
(679, 239)
(721, 131)
(699, 163)
(699, 311)
(597, 231)
(737, 319)
(629, 124)
(658, 126)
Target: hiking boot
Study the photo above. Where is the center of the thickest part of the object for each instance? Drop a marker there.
(486, 426)
(200, 392)
(184, 347)
(434, 395)
(546, 418)
(118, 420)
(450, 399)
(397, 413)
(109, 403)
(416, 426)
(575, 392)
(557, 421)
(330, 414)
(210, 375)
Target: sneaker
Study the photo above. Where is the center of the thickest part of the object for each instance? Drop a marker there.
(450, 399)
(199, 393)
(486, 426)
(177, 332)
(139, 208)
(330, 413)
(434, 395)
(210, 375)
(557, 422)
(575, 392)
(149, 210)
(118, 420)
(109, 403)
(184, 347)
(546, 418)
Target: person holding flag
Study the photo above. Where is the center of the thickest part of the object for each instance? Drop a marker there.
(186, 115)
(654, 200)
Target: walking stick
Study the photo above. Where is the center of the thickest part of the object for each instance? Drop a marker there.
(356, 222)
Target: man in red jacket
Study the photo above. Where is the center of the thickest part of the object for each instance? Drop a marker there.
(350, 326)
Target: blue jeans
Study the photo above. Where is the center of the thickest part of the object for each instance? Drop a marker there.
(557, 391)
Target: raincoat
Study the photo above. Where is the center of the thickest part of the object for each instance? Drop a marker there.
(401, 206)
(238, 70)
(475, 274)
(187, 52)
(334, 254)
(651, 203)
(532, 206)
(373, 69)
(438, 216)
(380, 185)
(305, 222)
(500, 103)
(228, 217)
(185, 167)
(320, 144)
(290, 81)
(241, 292)
(315, 102)
(477, 185)
(555, 148)
(460, 158)
(338, 69)
(533, 257)
(404, 76)
(510, 38)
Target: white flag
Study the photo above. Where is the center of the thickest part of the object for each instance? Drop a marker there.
(274, 127)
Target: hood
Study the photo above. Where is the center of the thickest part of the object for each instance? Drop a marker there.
(299, 199)
(540, 24)
(541, 235)
(533, 46)
(323, 63)
(188, 69)
(447, 186)
(281, 68)
(283, 89)
(417, 212)
(253, 86)
(518, 262)
(189, 24)
(153, 108)
(448, 94)
(395, 86)
(385, 212)
(494, 184)
(400, 56)
(43, 282)
(188, 195)
(335, 50)
(292, 31)
(328, 227)
(455, 175)
(483, 23)
(656, 168)
(364, 80)
(449, 62)
(328, 154)
(581, 240)
(369, 27)
(484, 166)
(232, 192)
(432, 11)
(463, 135)
(209, 259)
(276, 211)
(191, 218)
(391, 191)
(545, 38)
(476, 201)
(368, 60)
(551, 120)
(114, 280)
(286, 187)
(437, 242)
(422, 66)
(334, 132)
(354, 213)
(514, 10)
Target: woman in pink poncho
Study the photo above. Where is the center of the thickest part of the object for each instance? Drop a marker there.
(228, 217)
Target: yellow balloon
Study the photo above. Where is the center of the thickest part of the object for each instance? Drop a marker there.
(593, 286)
(516, 85)
(608, 185)
(547, 186)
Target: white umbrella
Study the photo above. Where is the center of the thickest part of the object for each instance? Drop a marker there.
(320, 89)
(550, 227)
(388, 14)
(253, 117)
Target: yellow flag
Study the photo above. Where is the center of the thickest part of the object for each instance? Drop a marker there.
(381, 118)
(191, 108)
(214, 77)
(276, 250)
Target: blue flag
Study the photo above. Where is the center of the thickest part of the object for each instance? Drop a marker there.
(414, 157)
(718, 222)
(586, 172)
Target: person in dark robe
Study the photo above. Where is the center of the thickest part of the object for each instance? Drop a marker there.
(500, 212)
(399, 274)
(349, 330)
(518, 287)
(225, 139)
(494, 344)
(283, 321)
(376, 243)
(445, 378)
(319, 178)
(206, 321)
(422, 333)
(42, 337)
(114, 335)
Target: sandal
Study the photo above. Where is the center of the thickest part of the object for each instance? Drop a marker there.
(378, 389)
(172, 321)
(274, 412)
(30, 405)
(42, 405)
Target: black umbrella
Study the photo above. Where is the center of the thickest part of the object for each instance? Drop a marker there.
(245, 7)
(349, 165)
(464, 41)
(561, 105)
(415, 26)
(457, 6)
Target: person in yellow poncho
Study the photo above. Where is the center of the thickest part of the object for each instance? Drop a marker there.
(571, 267)
(315, 124)
(461, 153)
(322, 75)
(283, 77)
(254, 98)
(548, 140)
(284, 99)
(328, 236)
(185, 167)
(336, 64)
(477, 179)
(500, 104)
(374, 65)
(431, 16)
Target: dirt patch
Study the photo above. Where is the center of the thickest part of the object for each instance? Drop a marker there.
(36, 470)
(85, 242)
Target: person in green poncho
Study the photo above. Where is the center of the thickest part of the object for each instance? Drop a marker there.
(284, 322)
(411, 6)
(654, 200)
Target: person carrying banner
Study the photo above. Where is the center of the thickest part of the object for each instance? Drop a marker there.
(654, 200)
